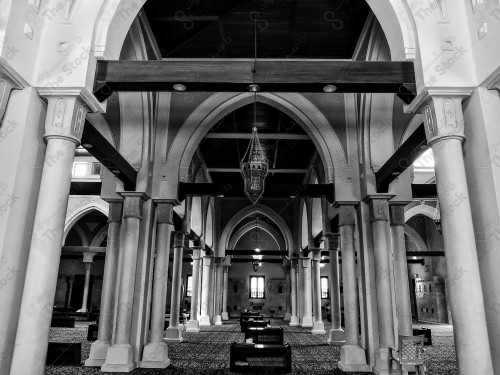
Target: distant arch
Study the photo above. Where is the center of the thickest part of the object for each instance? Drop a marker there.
(422, 209)
(73, 216)
(260, 225)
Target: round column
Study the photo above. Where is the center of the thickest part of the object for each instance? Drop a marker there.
(307, 319)
(288, 311)
(205, 292)
(294, 319)
(69, 290)
(88, 259)
(218, 292)
(63, 128)
(352, 356)
(174, 331)
(318, 325)
(402, 285)
(225, 315)
(336, 334)
(155, 354)
(99, 348)
(193, 324)
(120, 356)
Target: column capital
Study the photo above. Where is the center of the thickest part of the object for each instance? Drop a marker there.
(133, 201)
(115, 211)
(442, 110)
(294, 262)
(88, 257)
(165, 213)
(225, 268)
(207, 260)
(316, 253)
(347, 214)
(397, 214)
(379, 206)
(179, 239)
(330, 239)
(305, 262)
(196, 254)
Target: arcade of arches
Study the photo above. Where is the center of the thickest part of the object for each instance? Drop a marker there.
(123, 124)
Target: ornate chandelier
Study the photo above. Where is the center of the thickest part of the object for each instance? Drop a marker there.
(254, 167)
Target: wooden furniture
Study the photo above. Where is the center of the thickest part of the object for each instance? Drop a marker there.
(92, 332)
(64, 354)
(265, 335)
(249, 314)
(426, 332)
(261, 359)
(58, 321)
(411, 353)
(255, 323)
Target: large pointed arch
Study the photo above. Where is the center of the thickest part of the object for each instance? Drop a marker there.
(72, 217)
(248, 211)
(422, 209)
(235, 237)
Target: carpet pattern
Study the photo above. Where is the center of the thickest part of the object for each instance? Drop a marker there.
(207, 352)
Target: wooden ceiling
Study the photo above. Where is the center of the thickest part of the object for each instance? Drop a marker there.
(285, 28)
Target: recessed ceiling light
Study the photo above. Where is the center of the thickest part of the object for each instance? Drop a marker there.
(330, 88)
(257, 250)
(179, 87)
(253, 87)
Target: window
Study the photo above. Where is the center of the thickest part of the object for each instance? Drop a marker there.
(324, 287)
(79, 169)
(257, 287)
(189, 289)
(96, 169)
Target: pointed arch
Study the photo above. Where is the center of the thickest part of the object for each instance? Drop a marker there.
(73, 216)
(235, 237)
(422, 209)
(248, 211)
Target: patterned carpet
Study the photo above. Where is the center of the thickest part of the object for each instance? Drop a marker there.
(207, 352)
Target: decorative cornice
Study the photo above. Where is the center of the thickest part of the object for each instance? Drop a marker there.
(7, 71)
(426, 94)
(83, 93)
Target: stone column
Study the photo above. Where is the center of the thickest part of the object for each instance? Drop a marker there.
(294, 319)
(120, 356)
(444, 126)
(379, 217)
(352, 356)
(155, 354)
(100, 347)
(69, 290)
(288, 311)
(193, 324)
(218, 292)
(402, 285)
(225, 315)
(174, 331)
(205, 292)
(318, 325)
(63, 130)
(307, 319)
(88, 259)
(336, 334)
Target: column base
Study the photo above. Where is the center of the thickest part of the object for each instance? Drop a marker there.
(193, 326)
(382, 366)
(288, 316)
(307, 322)
(353, 359)
(98, 352)
(225, 315)
(173, 334)
(294, 321)
(336, 337)
(217, 320)
(318, 328)
(119, 358)
(155, 355)
(205, 320)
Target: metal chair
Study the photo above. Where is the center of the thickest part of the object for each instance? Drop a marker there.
(411, 353)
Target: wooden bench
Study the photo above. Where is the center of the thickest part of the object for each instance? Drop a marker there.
(255, 323)
(249, 314)
(267, 335)
(261, 359)
(64, 354)
(59, 321)
(92, 332)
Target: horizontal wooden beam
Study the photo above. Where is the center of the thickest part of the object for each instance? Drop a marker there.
(425, 254)
(271, 170)
(285, 191)
(402, 159)
(421, 191)
(249, 260)
(278, 136)
(84, 249)
(271, 75)
(99, 147)
(262, 253)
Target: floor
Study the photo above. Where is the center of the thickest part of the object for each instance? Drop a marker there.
(207, 352)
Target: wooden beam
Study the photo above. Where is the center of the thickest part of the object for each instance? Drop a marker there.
(425, 253)
(84, 249)
(262, 253)
(250, 260)
(290, 191)
(403, 158)
(272, 170)
(99, 147)
(271, 75)
(279, 136)
(424, 191)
